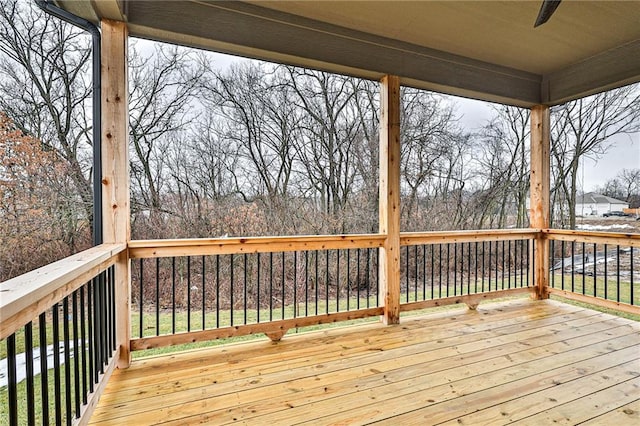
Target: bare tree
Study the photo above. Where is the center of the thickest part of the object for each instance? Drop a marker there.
(428, 134)
(260, 124)
(162, 87)
(503, 165)
(331, 126)
(625, 186)
(45, 89)
(581, 129)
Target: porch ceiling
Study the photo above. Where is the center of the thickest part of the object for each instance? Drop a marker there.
(483, 50)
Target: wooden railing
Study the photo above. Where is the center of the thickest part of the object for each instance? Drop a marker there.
(184, 291)
(59, 333)
(444, 268)
(600, 268)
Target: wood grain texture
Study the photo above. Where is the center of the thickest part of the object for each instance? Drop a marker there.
(235, 245)
(507, 361)
(27, 296)
(115, 168)
(539, 193)
(592, 237)
(389, 200)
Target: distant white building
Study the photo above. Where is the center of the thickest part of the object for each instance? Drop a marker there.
(594, 204)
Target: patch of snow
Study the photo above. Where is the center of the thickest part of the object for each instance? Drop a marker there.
(21, 363)
(587, 227)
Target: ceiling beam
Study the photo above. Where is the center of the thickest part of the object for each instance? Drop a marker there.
(607, 70)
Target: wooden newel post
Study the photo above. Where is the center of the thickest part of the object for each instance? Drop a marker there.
(115, 170)
(539, 193)
(389, 206)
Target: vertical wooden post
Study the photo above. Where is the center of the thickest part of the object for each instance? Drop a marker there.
(389, 204)
(539, 193)
(115, 169)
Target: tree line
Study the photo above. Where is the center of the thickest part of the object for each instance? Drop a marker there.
(258, 148)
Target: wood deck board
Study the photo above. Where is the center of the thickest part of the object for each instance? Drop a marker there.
(523, 361)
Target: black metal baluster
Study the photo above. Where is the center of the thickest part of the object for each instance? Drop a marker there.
(475, 263)
(295, 284)
(469, 268)
(348, 278)
(509, 264)
(112, 284)
(83, 326)
(497, 262)
(204, 294)
(104, 336)
(584, 267)
(448, 266)
(56, 364)
(368, 283)
(550, 259)
(406, 272)
(244, 286)
(258, 287)
(455, 269)
(90, 314)
(490, 265)
(358, 280)
(573, 266)
(595, 272)
(504, 258)
(337, 280)
(28, 351)
(483, 265)
(97, 329)
(440, 271)
(140, 320)
(189, 293)
(157, 296)
(173, 295)
(631, 273)
(12, 380)
(306, 283)
(416, 275)
(44, 368)
(606, 275)
(76, 354)
(562, 247)
(617, 273)
(67, 360)
(271, 286)
(231, 292)
(375, 276)
(529, 251)
(217, 291)
(326, 283)
(515, 264)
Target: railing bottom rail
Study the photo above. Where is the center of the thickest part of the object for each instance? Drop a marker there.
(273, 329)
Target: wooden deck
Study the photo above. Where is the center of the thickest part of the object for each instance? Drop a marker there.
(520, 362)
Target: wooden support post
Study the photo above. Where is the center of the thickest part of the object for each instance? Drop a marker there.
(115, 169)
(539, 192)
(389, 205)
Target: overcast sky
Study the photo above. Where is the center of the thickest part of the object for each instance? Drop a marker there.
(624, 152)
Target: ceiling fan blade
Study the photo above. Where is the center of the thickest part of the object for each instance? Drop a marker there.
(546, 10)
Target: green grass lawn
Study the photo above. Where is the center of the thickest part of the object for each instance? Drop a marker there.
(590, 285)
